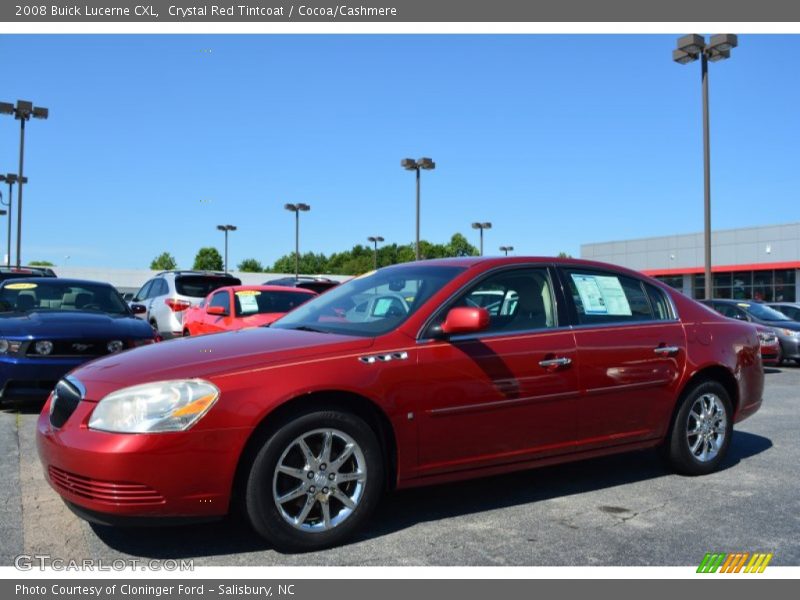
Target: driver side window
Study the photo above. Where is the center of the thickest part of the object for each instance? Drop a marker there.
(222, 299)
(144, 291)
(517, 300)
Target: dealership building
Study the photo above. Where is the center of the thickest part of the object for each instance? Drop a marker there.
(760, 263)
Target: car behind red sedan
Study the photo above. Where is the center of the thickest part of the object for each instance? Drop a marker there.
(241, 306)
(415, 374)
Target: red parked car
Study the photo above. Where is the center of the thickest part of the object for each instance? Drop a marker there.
(241, 306)
(416, 374)
(770, 345)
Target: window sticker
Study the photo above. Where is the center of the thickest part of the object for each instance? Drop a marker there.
(21, 286)
(248, 303)
(602, 295)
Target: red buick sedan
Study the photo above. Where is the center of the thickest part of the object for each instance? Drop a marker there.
(412, 375)
(240, 306)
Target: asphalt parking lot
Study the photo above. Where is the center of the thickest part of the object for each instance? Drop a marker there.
(621, 510)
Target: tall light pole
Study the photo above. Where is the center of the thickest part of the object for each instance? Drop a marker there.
(482, 226)
(297, 209)
(375, 239)
(506, 249)
(23, 111)
(226, 229)
(10, 179)
(409, 164)
(690, 48)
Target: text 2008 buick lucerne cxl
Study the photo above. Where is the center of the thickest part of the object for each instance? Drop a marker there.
(415, 374)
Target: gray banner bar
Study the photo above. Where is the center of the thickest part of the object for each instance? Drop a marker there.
(388, 11)
(343, 589)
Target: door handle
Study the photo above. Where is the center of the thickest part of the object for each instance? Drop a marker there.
(666, 350)
(555, 362)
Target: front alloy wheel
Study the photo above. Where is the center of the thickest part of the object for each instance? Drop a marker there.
(315, 480)
(319, 480)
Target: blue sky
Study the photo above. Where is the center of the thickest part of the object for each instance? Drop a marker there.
(558, 140)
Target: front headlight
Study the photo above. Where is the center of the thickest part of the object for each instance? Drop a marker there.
(9, 346)
(155, 407)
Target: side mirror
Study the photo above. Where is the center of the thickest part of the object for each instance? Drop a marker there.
(138, 309)
(217, 310)
(465, 319)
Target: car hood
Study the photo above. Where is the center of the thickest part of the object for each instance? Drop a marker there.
(793, 325)
(207, 356)
(72, 325)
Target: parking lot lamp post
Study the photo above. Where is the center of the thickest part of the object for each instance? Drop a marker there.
(375, 239)
(409, 164)
(690, 48)
(226, 229)
(3, 212)
(10, 179)
(506, 249)
(481, 227)
(297, 209)
(23, 111)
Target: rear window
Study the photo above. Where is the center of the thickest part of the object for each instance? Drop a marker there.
(200, 286)
(251, 302)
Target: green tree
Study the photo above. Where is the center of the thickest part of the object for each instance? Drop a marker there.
(564, 255)
(208, 259)
(459, 246)
(250, 265)
(164, 262)
(41, 263)
(310, 264)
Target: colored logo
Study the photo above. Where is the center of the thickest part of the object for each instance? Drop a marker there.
(738, 562)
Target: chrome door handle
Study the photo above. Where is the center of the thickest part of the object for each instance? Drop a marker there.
(555, 362)
(666, 350)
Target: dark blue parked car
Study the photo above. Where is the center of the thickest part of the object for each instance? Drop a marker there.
(48, 326)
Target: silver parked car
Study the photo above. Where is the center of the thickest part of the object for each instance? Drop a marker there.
(790, 309)
(167, 296)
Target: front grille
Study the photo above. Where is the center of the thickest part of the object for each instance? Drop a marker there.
(66, 398)
(108, 492)
(71, 348)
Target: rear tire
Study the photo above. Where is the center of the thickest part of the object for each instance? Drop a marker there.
(186, 333)
(315, 481)
(701, 430)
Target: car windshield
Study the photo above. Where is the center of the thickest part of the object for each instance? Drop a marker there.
(255, 302)
(60, 295)
(372, 304)
(765, 313)
(200, 286)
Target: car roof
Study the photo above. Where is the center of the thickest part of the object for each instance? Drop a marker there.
(54, 280)
(500, 261)
(281, 289)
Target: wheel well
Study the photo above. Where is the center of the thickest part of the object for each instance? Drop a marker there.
(723, 376)
(329, 399)
(716, 373)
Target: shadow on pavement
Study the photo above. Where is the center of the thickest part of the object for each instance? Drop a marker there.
(406, 508)
(25, 407)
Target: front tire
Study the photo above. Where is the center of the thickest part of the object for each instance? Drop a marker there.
(702, 428)
(315, 481)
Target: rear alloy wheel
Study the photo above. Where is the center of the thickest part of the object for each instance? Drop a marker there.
(702, 429)
(315, 481)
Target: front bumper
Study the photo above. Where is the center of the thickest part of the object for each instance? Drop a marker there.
(33, 378)
(790, 347)
(180, 474)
